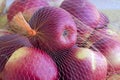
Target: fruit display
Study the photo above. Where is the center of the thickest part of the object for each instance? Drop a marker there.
(57, 40)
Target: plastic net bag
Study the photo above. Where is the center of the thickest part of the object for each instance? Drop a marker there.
(75, 35)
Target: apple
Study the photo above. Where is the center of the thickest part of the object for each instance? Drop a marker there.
(30, 64)
(55, 29)
(8, 44)
(110, 48)
(47, 26)
(84, 10)
(27, 7)
(81, 64)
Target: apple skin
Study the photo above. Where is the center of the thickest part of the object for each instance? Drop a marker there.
(81, 64)
(103, 33)
(89, 36)
(8, 44)
(30, 64)
(110, 48)
(85, 11)
(55, 29)
(27, 7)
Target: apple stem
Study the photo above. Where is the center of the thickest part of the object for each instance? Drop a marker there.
(20, 20)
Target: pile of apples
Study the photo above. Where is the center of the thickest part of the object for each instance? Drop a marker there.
(67, 41)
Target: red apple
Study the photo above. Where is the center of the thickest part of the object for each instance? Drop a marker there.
(81, 64)
(110, 48)
(85, 11)
(29, 64)
(8, 44)
(27, 7)
(55, 29)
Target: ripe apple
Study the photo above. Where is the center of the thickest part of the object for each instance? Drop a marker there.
(85, 11)
(8, 44)
(29, 64)
(81, 64)
(110, 48)
(27, 7)
(55, 29)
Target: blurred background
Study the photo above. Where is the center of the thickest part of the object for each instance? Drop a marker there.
(112, 9)
(100, 4)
